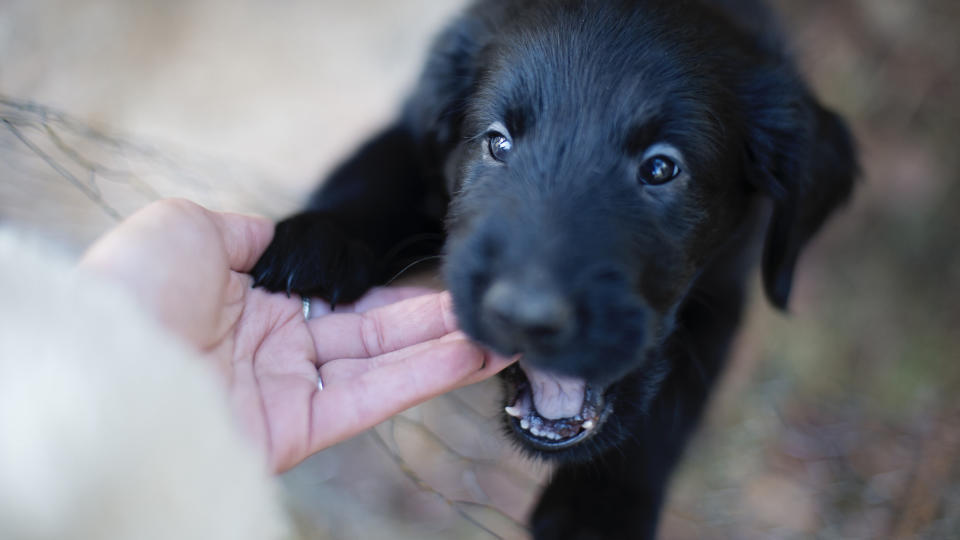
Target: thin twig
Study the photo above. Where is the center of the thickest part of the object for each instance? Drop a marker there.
(420, 483)
(86, 190)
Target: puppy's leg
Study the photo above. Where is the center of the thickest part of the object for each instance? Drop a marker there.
(384, 208)
(620, 494)
(378, 211)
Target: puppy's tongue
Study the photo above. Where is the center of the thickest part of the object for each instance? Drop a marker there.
(555, 396)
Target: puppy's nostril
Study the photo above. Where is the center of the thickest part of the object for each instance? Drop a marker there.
(607, 275)
(541, 331)
(534, 314)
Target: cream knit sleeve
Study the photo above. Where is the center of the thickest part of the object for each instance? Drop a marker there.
(109, 427)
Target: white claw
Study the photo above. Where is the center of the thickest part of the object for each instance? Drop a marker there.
(513, 411)
(588, 424)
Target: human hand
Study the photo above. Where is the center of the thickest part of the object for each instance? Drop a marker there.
(393, 349)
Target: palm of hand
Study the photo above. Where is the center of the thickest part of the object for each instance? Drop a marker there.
(380, 356)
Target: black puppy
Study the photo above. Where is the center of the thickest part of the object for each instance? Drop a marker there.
(601, 169)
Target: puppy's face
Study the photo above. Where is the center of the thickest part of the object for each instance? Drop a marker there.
(597, 176)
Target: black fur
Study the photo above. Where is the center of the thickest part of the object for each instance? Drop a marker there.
(649, 278)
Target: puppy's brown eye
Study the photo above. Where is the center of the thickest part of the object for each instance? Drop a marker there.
(499, 146)
(658, 170)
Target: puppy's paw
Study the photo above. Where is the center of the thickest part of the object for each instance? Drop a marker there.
(312, 255)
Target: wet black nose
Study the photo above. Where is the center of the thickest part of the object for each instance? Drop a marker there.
(537, 317)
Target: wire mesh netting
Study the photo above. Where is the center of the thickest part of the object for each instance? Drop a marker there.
(838, 421)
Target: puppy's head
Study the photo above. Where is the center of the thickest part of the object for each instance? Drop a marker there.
(603, 162)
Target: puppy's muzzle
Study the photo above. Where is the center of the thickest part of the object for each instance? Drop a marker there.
(533, 317)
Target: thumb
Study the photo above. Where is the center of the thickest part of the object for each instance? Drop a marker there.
(245, 238)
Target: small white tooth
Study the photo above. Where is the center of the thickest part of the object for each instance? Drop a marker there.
(536, 431)
(513, 411)
(588, 424)
(524, 423)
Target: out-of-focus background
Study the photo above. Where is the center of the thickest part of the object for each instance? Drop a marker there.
(839, 420)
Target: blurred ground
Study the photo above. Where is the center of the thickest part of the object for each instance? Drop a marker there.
(837, 421)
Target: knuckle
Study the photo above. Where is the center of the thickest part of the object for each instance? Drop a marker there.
(446, 312)
(371, 335)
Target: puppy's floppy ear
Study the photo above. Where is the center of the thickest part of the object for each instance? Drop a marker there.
(803, 157)
(436, 108)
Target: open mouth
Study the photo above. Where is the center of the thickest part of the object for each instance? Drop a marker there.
(553, 412)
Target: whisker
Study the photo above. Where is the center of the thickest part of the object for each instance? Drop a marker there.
(415, 239)
(411, 265)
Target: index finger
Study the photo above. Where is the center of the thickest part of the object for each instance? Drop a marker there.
(383, 329)
(345, 409)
